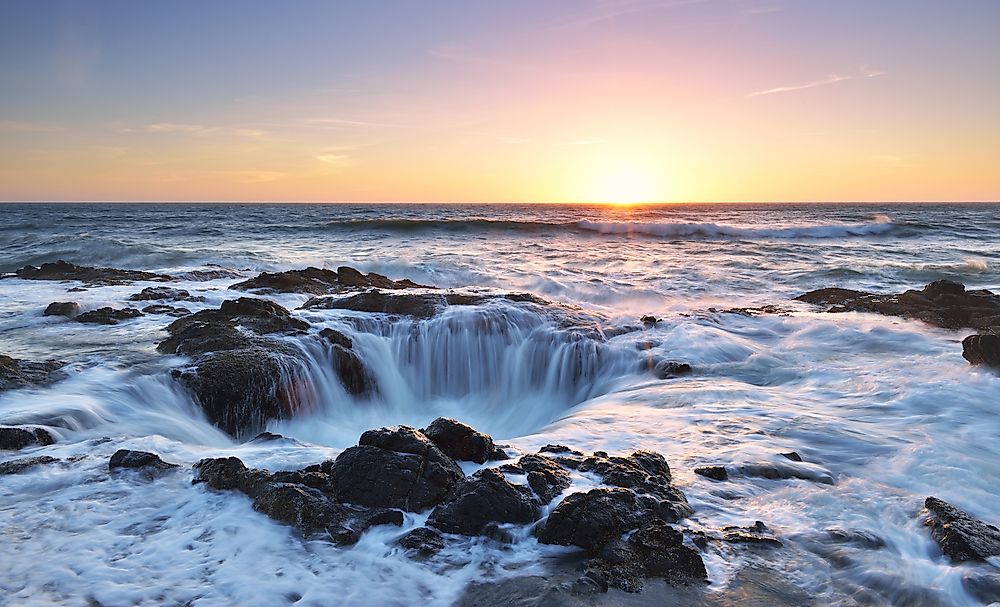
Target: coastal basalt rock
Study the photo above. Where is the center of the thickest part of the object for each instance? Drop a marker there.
(125, 458)
(175, 311)
(15, 373)
(17, 466)
(545, 477)
(108, 316)
(593, 519)
(786, 471)
(64, 270)
(462, 442)
(668, 369)
(655, 550)
(321, 281)
(423, 540)
(14, 438)
(961, 537)
(483, 499)
(942, 303)
(716, 473)
(757, 534)
(422, 305)
(393, 468)
(69, 309)
(164, 294)
(982, 350)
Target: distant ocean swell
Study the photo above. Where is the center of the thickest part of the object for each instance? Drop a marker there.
(880, 226)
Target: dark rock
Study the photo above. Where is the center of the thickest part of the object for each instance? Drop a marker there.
(716, 473)
(266, 437)
(16, 373)
(858, 537)
(559, 449)
(960, 536)
(221, 473)
(786, 471)
(666, 369)
(108, 316)
(124, 458)
(163, 293)
(545, 477)
(393, 468)
(212, 274)
(215, 330)
(63, 270)
(982, 350)
(941, 303)
(985, 588)
(654, 550)
(791, 455)
(420, 305)
(649, 321)
(13, 438)
(17, 465)
(176, 312)
(459, 441)
(483, 498)
(318, 281)
(423, 540)
(336, 338)
(590, 520)
(69, 309)
(758, 533)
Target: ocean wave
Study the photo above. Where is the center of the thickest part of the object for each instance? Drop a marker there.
(879, 226)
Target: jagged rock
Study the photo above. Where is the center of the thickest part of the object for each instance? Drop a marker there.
(319, 281)
(266, 437)
(63, 270)
(545, 477)
(716, 473)
(108, 316)
(982, 350)
(18, 465)
(786, 471)
(941, 303)
(69, 309)
(560, 450)
(758, 533)
(417, 305)
(393, 468)
(960, 536)
(461, 442)
(124, 458)
(221, 472)
(16, 373)
(204, 275)
(791, 455)
(666, 369)
(336, 338)
(176, 312)
(649, 320)
(163, 293)
(216, 330)
(423, 540)
(654, 550)
(13, 438)
(482, 499)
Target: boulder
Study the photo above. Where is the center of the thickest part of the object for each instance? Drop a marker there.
(108, 316)
(124, 458)
(545, 477)
(785, 471)
(758, 534)
(482, 499)
(13, 438)
(655, 550)
(461, 442)
(427, 305)
(63, 270)
(423, 540)
(175, 311)
(69, 309)
(716, 473)
(16, 373)
(163, 293)
(18, 465)
(320, 281)
(982, 350)
(593, 519)
(960, 536)
(336, 338)
(393, 468)
(667, 369)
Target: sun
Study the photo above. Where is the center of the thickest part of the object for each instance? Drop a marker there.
(624, 186)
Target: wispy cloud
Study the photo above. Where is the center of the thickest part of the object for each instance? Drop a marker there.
(832, 79)
(250, 176)
(176, 127)
(342, 122)
(338, 160)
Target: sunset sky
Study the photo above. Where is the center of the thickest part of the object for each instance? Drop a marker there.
(554, 101)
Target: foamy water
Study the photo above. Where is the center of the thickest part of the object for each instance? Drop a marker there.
(886, 408)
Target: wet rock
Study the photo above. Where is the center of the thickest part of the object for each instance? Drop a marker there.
(124, 458)
(485, 497)
(654, 550)
(221, 472)
(941, 303)
(424, 305)
(590, 520)
(982, 350)
(559, 449)
(393, 468)
(16, 373)
(758, 533)
(461, 442)
(791, 455)
(163, 293)
(215, 273)
(857, 537)
(985, 588)
(336, 338)
(176, 312)
(545, 477)
(423, 540)
(69, 309)
(786, 471)
(63, 270)
(716, 473)
(649, 321)
(960, 536)
(237, 324)
(18, 465)
(13, 438)
(108, 316)
(266, 437)
(666, 369)
(319, 281)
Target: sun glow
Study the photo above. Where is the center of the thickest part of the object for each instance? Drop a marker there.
(626, 185)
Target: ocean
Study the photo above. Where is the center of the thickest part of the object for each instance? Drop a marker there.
(884, 407)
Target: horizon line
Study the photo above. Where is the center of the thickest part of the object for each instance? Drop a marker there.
(501, 202)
